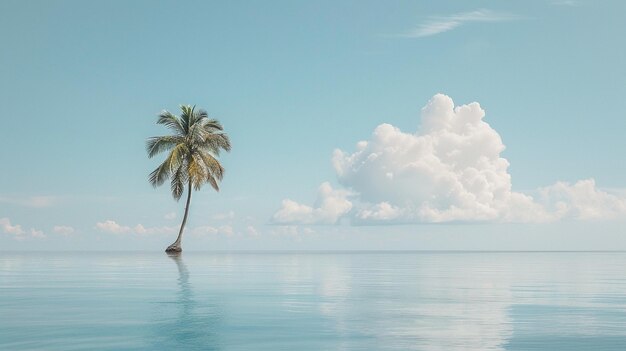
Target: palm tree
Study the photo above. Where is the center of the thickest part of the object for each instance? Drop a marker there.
(192, 159)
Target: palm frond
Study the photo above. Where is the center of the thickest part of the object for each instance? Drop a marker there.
(213, 165)
(197, 170)
(172, 122)
(197, 134)
(213, 183)
(194, 116)
(173, 162)
(213, 125)
(156, 145)
(201, 114)
(186, 117)
(215, 142)
(179, 178)
(160, 174)
(179, 156)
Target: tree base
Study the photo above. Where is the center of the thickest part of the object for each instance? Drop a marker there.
(173, 249)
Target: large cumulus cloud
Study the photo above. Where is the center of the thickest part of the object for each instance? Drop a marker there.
(449, 170)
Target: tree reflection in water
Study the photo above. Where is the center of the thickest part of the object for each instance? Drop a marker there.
(186, 323)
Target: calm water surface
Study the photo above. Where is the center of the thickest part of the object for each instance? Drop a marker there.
(313, 301)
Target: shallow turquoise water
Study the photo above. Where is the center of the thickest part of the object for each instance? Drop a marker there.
(313, 301)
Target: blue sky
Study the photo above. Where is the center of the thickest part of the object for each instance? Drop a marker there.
(292, 81)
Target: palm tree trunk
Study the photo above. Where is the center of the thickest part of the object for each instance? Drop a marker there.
(175, 247)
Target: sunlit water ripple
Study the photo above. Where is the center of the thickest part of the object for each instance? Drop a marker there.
(313, 301)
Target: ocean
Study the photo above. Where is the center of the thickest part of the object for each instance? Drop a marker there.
(313, 301)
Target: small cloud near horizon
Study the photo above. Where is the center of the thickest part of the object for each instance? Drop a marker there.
(63, 229)
(202, 231)
(18, 232)
(111, 226)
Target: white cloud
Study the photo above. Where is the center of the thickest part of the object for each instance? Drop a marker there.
(450, 170)
(110, 226)
(32, 201)
(18, 232)
(37, 234)
(293, 231)
(8, 228)
(63, 229)
(582, 201)
(439, 24)
(209, 230)
(380, 212)
(331, 204)
(226, 230)
(204, 230)
(140, 229)
(252, 231)
(170, 216)
(223, 216)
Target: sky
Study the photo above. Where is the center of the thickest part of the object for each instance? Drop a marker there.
(355, 125)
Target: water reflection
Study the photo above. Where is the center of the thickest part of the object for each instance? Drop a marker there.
(454, 302)
(263, 302)
(186, 323)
